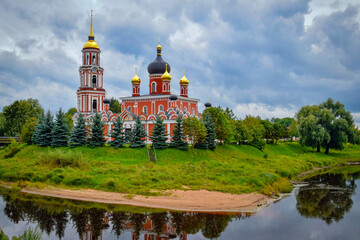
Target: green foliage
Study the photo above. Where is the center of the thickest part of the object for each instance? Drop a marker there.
(138, 134)
(328, 125)
(159, 134)
(28, 130)
(115, 105)
(30, 234)
(60, 158)
(69, 115)
(178, 140)
(60, 131)
(3, 129)
(269, 130)
(13, 148)
(42, 135)
(18, 113)
(78, 134)
(3, 235)
(222, 122)
(118, 134)
(96, 138)
(210, 140)
(252, 131)
(279, 131)
(195, 130)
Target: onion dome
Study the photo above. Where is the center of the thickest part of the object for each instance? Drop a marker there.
(106, 101)
(184, 80)
(173, 97)
(207, 105)
(136, 79)
(158, 66)
(166, 76)
(91, 42)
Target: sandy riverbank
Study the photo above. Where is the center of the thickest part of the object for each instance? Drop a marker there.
(199, 200)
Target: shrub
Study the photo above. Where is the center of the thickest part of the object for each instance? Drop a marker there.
(58, 158)
(12, 149)
(30, 234)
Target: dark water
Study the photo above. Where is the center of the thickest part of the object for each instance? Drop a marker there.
(327, 208)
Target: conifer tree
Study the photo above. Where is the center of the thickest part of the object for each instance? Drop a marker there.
(138, 134)
(36, 137)
(78, 134)
(97, 132)
(60, 131)
(210, 133)
(178, 139)
(44, 135)
(118, 134)
(159, 135)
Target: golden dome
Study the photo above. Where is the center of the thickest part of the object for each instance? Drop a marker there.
(184, 80)
(159, 46)
(136, 79)
(166, 76)
(91, 42)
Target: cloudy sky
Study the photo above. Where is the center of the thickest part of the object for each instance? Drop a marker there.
(261, 57)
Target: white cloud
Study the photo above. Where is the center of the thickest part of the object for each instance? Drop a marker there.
(264, 111)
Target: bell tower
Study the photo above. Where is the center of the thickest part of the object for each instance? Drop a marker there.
(91, 92)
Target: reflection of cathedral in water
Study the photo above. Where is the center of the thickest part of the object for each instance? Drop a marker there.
(147, 228)
(149, 232)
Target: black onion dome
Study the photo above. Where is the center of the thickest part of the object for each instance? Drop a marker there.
(106, 101)
(207, 104)
(158, 66)
(173, 97)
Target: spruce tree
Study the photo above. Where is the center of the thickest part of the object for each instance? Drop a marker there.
(138, 134)
(78, 134)
(118, 134)
(159, 135)
(60, 131)
(178, 139)
(36, 137)
(44, 135)
(210, 133)
(97, 132)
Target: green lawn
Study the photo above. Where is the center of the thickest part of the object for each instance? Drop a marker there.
(230, 168)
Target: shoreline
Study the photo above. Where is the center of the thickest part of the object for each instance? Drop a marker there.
(178, 200)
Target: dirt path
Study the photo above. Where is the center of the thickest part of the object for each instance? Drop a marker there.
(200, 200)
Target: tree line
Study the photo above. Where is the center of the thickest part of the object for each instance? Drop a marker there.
(327, 125)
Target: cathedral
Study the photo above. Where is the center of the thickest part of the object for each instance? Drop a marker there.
(91, 95)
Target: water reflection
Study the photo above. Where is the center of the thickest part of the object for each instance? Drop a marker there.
(91, 222)
(327, 197)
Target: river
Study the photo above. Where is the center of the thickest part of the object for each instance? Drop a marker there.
(327, 207)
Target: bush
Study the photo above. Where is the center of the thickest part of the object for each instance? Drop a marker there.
(12, 149)
(2, 235)
(58, 158)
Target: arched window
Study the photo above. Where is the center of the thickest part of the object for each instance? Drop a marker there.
(185, 109)
(153, 87)
(93, 59)
(161, 108)
(94, 105)
(145, 110)
(94, 81)
(129, 108)
(87, 59)
(193, 111)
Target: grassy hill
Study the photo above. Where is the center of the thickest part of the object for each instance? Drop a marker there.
(230, 168)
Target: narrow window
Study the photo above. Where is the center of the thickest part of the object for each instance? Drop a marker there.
(94, 81)
(145, 110)
(193, 111)
(87, 59)
(130, 109)
(93, 60)
(185, 109)
(161, 108)
(153, 87)
(94, 105)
